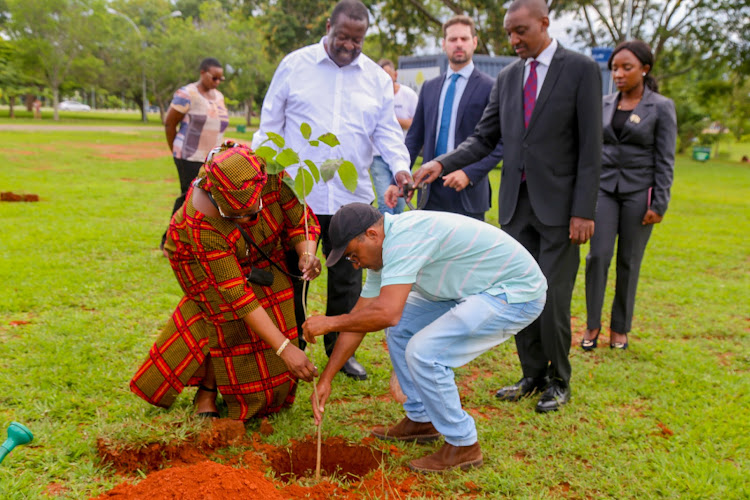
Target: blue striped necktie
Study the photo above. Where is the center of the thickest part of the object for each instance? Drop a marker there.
(441, 147)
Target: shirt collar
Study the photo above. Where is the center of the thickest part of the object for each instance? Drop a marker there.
(321, 54)
(466, 71)
(545, 57)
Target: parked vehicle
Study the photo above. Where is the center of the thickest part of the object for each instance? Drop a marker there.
(74, 106)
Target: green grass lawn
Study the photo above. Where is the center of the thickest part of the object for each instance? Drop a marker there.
(85, 291)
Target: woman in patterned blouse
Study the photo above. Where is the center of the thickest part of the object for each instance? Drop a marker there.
(195, 124)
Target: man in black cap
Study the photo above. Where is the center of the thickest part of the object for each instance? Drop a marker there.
(447, 288)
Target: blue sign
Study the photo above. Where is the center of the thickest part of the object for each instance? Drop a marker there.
(601, 54)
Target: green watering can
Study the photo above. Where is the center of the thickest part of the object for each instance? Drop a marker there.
(17, 434)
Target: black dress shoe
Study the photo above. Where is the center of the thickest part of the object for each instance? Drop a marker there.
(353, 369)
(553, 398)
(522, 388)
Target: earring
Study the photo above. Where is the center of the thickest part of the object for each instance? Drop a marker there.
(644, 74)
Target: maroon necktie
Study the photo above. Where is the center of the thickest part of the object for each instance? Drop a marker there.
(529, 94)
(529, 100)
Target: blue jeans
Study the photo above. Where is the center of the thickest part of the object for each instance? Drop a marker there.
(381, 179)
(433, 337)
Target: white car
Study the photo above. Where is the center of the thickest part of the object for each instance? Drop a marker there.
(74, 106)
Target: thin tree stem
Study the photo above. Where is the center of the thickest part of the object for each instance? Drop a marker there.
(315, 386)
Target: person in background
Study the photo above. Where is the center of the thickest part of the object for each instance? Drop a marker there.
(640, 130)
(546, 108)
(448, 110)
(195, 124)
(335, 88)
(233, 332)
(405, 105)
(37, 107)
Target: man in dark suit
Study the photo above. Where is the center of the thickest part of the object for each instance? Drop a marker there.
(466, 90)
(546, 108)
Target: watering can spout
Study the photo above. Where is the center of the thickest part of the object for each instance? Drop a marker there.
(17, 434)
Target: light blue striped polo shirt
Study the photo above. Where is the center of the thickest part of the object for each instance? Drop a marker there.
(448, 257)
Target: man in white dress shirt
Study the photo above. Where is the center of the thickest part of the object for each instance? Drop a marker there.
(334, 88)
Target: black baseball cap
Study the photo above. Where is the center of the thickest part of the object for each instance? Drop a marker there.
(349, 222)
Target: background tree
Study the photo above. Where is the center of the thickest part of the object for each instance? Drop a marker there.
(403, 26)
(249, 68)
(134, 45)
(713, 24)
(53, 34)
(14, 79)
(292, 24)
(175, 51)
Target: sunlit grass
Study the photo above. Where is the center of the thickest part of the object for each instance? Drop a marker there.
(85, 291)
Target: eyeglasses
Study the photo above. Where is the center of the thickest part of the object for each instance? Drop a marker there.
(218, 78)
(243, 216)
(352, 257)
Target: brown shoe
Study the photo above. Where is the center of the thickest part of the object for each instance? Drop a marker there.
(407, 430)
(449, 457)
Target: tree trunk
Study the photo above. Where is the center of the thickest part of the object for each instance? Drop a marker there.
(11, 110)
(163, 109)
(248, 110)
(56, 103)
(142, 105)
(29, 101)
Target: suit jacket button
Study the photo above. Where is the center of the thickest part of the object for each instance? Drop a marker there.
(525, 146)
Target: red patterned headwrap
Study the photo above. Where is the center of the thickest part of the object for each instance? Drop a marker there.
(235, 177)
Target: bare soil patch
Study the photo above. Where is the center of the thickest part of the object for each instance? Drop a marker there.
(127, 152)
(10, 196)
(188, 470)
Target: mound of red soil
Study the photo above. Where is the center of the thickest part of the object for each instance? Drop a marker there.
(188, 473)
(10, 196)
(201, 481)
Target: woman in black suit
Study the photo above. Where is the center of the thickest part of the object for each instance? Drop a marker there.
(640, 129)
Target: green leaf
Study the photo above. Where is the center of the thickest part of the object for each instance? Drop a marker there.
(329, 167)
(313, 170)
(329, 139)
(266, 152)
(273, 167)
(314, 143)
(276, 138)
(303, 183)
(305, 129)
(287, 157)
(348, 175)
(289, 181)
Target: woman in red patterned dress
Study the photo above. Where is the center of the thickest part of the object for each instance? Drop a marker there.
(228, 333)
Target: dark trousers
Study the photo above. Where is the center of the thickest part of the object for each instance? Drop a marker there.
(443, 199)
(544, 345)
(618, 216)
(186, 171)
(344, 287)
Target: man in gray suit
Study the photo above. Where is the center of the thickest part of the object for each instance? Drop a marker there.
(546, 108)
